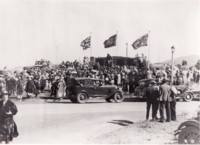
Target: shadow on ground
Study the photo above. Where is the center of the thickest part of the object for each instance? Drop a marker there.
(121, 122)
(133, 100)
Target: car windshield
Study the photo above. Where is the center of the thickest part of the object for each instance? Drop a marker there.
(74, 82)
(89, 83)
(81, 82)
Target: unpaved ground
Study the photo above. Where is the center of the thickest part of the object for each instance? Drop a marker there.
(95, 122)
(142, 132)
(148, 132)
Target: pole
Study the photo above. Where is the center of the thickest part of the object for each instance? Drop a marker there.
(116, 45)
(126, 49)
(148, 43)
(90, 44)
(172, 64)
(56, 55)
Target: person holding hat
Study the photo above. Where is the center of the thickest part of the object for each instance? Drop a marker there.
(7, 110)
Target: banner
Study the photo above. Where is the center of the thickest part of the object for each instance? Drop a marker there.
(86, 43)
(142, 41)
(111, 41)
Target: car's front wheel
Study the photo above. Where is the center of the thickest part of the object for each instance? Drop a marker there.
(118, 97)
(189, 135)
(188, 97)
(82, 98)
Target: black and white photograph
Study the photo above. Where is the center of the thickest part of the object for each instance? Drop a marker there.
(99, 72)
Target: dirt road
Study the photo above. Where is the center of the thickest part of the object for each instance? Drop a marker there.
(94, 122)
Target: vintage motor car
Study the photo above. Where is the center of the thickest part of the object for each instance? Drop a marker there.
(188, 132)
(141, 89)
(189, 94)
(81, 89)
(144, 83)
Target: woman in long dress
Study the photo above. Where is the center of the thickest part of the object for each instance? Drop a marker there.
(19, 89)
(61, 88)
(30, 87)
(7, 125)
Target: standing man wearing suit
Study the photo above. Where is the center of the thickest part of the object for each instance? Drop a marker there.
(173, 94)
(152, 95)
(164, 99)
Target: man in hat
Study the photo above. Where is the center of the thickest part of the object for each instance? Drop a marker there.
(155, 97)
(152, 95)
(67, 82)
(7, 110)
(173, 94)
(164, 99)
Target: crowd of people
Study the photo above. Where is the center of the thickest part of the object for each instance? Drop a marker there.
(44, 77)
(36, 79)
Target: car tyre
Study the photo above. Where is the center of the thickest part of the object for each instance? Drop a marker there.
(189, 135)
(82, 98)
(188, 97)
(118, 97)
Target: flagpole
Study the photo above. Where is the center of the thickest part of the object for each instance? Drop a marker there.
(90, 44)
(148, 49)
(82, 51)
(116, 45)
(55, 42)
(126, 49)
(126, 62)
(56, 55)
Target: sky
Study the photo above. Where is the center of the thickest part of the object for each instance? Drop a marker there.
(53, 29)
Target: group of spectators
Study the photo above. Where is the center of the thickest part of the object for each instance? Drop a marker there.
(36, 79)
(161, 96)
(44, 77)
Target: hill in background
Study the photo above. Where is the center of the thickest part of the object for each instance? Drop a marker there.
(191, 60)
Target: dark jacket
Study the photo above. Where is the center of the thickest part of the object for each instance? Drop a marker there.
(152, 93)
(7, 124)
(9, 105)
(30, 87)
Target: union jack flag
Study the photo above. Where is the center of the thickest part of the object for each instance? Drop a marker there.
(86, 43)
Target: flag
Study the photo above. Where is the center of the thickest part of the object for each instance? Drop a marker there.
(86, 43)
(142, 41)
(111, 41)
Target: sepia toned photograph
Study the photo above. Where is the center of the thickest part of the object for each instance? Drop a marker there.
(99, 72)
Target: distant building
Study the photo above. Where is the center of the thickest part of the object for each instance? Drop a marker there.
(119, 60)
